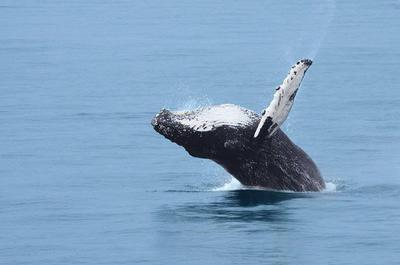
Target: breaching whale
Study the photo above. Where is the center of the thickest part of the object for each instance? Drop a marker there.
(252, 148)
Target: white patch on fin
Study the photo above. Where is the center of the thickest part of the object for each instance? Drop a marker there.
(278, 110)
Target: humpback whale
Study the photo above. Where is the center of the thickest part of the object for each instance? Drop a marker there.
(251, 147)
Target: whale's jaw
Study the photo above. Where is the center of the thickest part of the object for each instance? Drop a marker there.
(163, 124)
(207, 132)
(185, 127)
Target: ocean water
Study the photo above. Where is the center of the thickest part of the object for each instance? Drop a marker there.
(84, 179)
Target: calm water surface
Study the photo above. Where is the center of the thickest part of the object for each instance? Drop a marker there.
(84, 179)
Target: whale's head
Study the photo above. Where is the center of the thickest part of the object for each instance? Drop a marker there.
(208, 132)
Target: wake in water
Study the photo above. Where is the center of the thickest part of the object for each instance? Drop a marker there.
(233, 184)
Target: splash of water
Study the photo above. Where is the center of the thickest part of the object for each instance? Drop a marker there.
(233, 184)
(329, 187)
(308, 35)
(193, 103)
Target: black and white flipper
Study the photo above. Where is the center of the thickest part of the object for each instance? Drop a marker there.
(278, 110)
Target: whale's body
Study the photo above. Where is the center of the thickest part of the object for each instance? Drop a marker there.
(250, 147)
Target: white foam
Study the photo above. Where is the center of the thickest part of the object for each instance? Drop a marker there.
(329, 187)
(232, 184)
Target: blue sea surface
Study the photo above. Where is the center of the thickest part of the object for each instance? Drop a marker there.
(84, 178)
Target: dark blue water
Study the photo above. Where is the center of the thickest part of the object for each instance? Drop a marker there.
(84, 179)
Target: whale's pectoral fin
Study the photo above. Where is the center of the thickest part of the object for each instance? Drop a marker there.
(278, 110)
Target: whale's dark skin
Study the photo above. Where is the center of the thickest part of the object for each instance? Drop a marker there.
(250, 147)
(269, 162)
